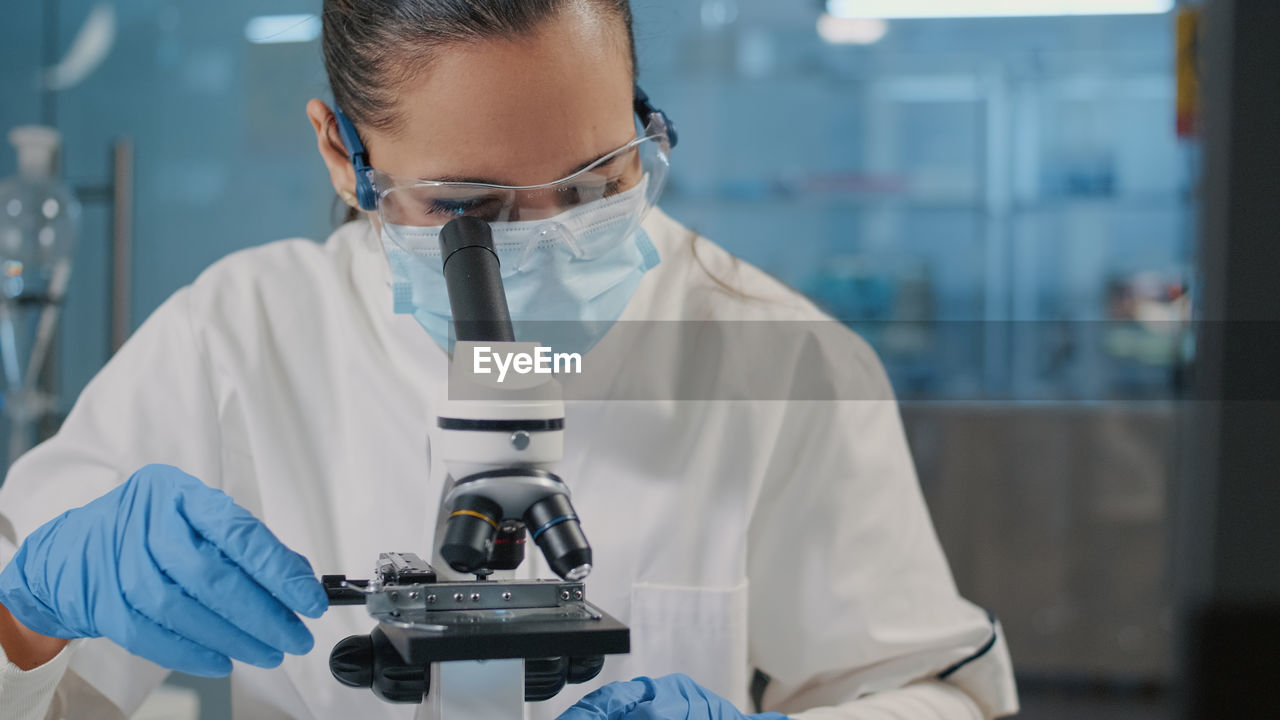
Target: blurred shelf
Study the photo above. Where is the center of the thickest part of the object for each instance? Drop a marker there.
(882, 201)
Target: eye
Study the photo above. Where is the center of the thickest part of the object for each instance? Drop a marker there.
(568, 196)
(588, 192)
(488, 208)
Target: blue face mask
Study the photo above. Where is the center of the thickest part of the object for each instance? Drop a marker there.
(567, 278)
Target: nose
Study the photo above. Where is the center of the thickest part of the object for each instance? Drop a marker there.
(545, 203)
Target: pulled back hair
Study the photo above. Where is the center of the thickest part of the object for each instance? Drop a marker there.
(371, 47)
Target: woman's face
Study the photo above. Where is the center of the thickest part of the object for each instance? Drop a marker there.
(510, 111)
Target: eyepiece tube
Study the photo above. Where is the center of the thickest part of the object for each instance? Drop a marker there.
(554, 526)
(471, 272)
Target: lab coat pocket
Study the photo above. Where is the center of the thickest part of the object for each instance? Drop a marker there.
(701, 632)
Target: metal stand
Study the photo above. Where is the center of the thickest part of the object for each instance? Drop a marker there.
(481, 690)
(118, 193)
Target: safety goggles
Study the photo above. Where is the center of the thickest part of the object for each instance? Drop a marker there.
(585, 213)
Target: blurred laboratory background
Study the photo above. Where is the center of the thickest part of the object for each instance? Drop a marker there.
(1002, 197)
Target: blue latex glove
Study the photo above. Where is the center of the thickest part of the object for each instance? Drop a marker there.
(670, 697)
(169, 569)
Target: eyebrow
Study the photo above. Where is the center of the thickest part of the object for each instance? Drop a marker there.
(492, 181)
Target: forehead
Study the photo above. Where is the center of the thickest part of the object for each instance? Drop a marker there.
(517, 110)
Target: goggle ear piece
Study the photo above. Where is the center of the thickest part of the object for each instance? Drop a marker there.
(645, 109)
(365, 194)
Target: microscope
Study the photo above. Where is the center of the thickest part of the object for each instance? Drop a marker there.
(478, 649)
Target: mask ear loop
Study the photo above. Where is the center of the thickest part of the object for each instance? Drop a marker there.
(365, 194)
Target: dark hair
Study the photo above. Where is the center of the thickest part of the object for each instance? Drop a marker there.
(371, 46)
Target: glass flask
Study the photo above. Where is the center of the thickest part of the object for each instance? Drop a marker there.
(38, 222)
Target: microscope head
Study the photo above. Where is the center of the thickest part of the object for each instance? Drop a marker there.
(501, 438)
(501, 433)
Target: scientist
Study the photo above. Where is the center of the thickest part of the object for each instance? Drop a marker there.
(293, 387)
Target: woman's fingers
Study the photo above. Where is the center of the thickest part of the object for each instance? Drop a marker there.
(614, 701)
(148, 592)
(141, 636)
(222, 586)
(250, 545)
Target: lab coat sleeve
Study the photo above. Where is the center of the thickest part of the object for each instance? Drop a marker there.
(921, 701)
(49, 692)
(152, 403)
(28, 694)
(850, 594)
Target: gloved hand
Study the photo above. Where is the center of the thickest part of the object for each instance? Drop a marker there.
(670, 697)
(169, 569)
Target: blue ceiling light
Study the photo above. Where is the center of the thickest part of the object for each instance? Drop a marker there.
(267, 29)
(910, 9)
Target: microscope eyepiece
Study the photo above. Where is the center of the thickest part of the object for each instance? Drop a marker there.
(554, 526)
(477, 299)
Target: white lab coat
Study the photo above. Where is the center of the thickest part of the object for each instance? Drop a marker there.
(790, 537)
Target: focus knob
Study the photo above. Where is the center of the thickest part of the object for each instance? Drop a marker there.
(351, 661)
(371, 661)
(544, 678)
(582, 669)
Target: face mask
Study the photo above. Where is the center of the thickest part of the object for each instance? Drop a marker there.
(567, 278)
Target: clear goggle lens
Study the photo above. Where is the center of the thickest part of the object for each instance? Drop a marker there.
(585, 213)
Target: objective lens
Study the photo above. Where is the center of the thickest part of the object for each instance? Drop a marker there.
(508, 547)
(555, 527)
(468, 537)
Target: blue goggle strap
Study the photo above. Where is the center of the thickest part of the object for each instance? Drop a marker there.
(365, 194)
